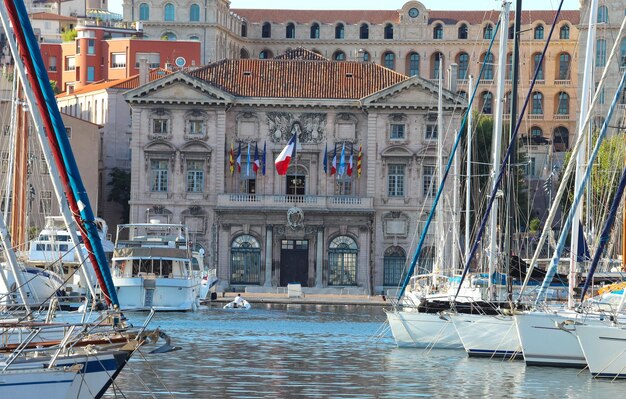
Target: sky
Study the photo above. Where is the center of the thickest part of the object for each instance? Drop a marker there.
(116, 5)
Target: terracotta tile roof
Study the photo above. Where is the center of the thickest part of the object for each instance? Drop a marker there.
(312, 79)
(300, 53)
(48, 16)
(376, 17)
(126, 84)
(477, 17)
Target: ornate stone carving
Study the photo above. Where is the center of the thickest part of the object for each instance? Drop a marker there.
(295, 218)
(310, 127)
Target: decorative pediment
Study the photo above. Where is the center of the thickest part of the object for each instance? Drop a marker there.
(196, 146)
(414, 93)
(310, 127)
(159, 146)
(396, 151)
(178, 88)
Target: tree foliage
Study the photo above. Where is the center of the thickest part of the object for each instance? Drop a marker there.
(69, 35)
(120, 190)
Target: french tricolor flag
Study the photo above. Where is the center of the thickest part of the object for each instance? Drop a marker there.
(285, 156)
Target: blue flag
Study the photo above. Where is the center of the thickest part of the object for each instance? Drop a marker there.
(264, 152)
(248, 162)
(326, 159)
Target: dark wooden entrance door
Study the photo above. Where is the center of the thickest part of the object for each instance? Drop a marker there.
(294, 262)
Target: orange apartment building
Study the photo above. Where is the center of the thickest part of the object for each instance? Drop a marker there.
(109, 53)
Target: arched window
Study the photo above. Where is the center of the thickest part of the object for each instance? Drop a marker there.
(507, 103)
(389, 60)
(600, 53)
(463, 62)
(511, 32)
(463, 31)
(315, 31)
(169, 36)
(438, 31)
(435, 60)
(487, 102)
(414, 64)
(365, 56)
(539, 32)
(290, 31)
(265, 54)
(244, 29)
(342, 261)
(603, 15)
(364, 31)
(266, 30)
(508, 72)
(564, 32)
(388, 34)
(537, 106)
(245, 260)
(194, 37)
(564, 62)
(488, 62)
(560, 139)
(244, 54)
(339, 55)
(536, 131)
(562, 106)
(538, 63)
(170, 14)
(488, 31)
(194, 13)
(144, 12)
(339, 31)
(393, 265)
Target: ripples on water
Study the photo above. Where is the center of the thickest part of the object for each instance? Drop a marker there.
(321, 351)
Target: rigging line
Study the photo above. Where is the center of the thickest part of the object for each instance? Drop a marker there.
(509, 150)
(568, 222)
(580, 141)
(445, 176)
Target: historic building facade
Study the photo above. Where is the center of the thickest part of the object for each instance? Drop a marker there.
(350, 231)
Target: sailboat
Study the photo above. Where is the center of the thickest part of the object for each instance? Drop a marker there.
(548, 335)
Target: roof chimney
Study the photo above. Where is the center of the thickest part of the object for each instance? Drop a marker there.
(452, 77)
(143, 71)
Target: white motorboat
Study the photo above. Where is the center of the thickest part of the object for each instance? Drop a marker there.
(38, 285)
(156, 268)
(241, 304)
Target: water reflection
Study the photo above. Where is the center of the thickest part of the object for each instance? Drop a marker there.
(320, 351)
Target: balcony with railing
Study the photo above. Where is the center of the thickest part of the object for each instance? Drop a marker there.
(310, 202)
(562, 82)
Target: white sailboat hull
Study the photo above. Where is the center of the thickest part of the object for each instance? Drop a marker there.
(604, 348)
(544, 343)
(423, 330)
(487, 336)
(53, 383)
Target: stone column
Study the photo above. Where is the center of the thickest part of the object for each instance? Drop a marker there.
(269, 244)
(319, 261)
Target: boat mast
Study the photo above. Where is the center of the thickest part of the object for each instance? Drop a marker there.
(581, 157)
(20, 175)
(468, 169)
(497, 144)
(440, 230)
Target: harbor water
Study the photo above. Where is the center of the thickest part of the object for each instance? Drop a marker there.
(325, 351)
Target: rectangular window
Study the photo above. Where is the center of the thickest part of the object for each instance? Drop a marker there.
(43, 166)
(4, 205)
(397, 131)
(118, 60)
(396, 180)
(68, 131)
(344, 185)
(91, 74)
(159, 126)
(52, 64)
(77, 47)
(196, 126)
(431, 131)
(5, 161)
(429, 181)
(195, 176)
(70, 63)
(158, 177)
(154, 59)
(91, 46)
(45, 202)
